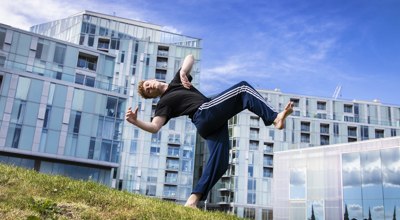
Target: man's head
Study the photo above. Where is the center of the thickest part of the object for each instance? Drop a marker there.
(149, 89)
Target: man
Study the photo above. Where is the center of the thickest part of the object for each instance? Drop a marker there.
(210, 117)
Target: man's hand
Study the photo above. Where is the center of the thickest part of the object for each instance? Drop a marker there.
(185, 81)
(131, 116)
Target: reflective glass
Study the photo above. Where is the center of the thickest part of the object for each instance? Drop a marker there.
(43, 139)
(46, 167)
(111, 106)
(70, 145)
(56, 118)
(58, 169)
(52, 142)
(93, 174)
(105, 150)
(13, 134)
(31, 117)
(83, 146)
(86, 122)
(108, 128)
(77, 101)
(351, 172)
(391, 173)
(371, 175)
(89, 104)
(23, 88)
(81, 173)
(70, 170)
(118, 129)
(27, 133)
(60, 95)
(101, 101)
(18, 111)
(115, 152)
(298, 183)
(59, 54)
(315, 210)
(35, 90)
(51, 94)
(121, 108)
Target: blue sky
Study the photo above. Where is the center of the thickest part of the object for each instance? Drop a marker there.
(301, 47)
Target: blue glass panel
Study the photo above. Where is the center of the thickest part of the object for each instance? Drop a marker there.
(6, 84)
(13, 135)
(88, 105)
(56, 118)
(60, 95)
(52, 142)
(93, 174)
(46, 167)
(27, 163)
(70, 145)
(105, 152)
(83, 146)
(108, 128)
(14, 161)
(18, 111)
(86, 123)
(27, 134)
(43, 139)
(70, 171)
(81, 173)
(77, 101)
(35, 92)
(116, 152)
(31, 117)
(23, 88)
(58, 169)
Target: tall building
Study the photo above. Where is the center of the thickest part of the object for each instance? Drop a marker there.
(250, 189)
(66, 86)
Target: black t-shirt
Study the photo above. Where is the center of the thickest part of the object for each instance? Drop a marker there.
(177, 100)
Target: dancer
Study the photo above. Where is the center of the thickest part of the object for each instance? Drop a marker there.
(210, 117)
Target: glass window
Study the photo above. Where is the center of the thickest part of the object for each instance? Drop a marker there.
(115, 152)
(70, 145)
(59, 54)
(18, 111)
(152, 175)
(109, 66)
(77, 101)
(90, 81)
(298, 183)
(85, 124)
(43, 139)
(23, 88)
(153, 161)
(46, 167)
(108, 128)
(27, 140)
(79, 79)
(83, 146)
(105, 152)
(2, 37)
(36, 90)
(31, 117)
(91, 40)
(94, 148)
(42, 49)
(70, 171)
(111, 106)
(56, 118)
(151, 190)
(13, 135)
(23, 44)
(121, 108)
(82, 39)
(187, 165)
(315, 210)
(52, 142)
(60, 94)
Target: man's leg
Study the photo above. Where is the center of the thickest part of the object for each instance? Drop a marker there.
(217, 164)
(213, 113)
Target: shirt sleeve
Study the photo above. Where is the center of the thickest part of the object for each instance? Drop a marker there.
(177, 78)
(162, 109)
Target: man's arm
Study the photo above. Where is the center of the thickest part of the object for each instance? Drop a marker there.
(153, 127)
(185, 71)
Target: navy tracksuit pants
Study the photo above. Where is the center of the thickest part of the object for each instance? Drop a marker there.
(211, 120)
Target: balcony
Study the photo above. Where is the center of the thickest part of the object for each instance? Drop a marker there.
(160, 76)
(224, 187)
(173, 152)
(162, 53)
(268, 150)
(174, 139)
(163, 65)
(84, 63)
(324, 141)
(268, 175)
(324, 130)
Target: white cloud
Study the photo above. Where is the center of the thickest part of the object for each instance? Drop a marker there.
(171, 29)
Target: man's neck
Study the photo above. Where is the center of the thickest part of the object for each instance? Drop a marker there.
(164, 87)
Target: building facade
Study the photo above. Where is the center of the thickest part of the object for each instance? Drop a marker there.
(248, 189)
(83, 72)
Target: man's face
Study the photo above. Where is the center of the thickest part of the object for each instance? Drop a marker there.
(151, 88)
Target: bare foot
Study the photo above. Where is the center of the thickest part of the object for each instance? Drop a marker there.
(279, 121)
(193, 200)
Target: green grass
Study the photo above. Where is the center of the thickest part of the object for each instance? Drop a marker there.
(26, 194)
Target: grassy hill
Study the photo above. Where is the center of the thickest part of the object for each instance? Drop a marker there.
(26, 194)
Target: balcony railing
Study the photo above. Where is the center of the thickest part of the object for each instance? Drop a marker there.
(225, 186)
(172, 166)
(108, 86)
(268, 150)
(305, 128)
(162, 53)
(86, 64)
(324, 130)
(305, 140)
(174, 153)
(223, 199)
(324, 142)
(169, 179)
(352, 133)
(103, 46)
(160, 76)
(170, 194)
(253, 136)
(175, 140)
(163, 65)
(268, 175)
(268, 162)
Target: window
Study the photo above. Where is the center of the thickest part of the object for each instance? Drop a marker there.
(160, 75)
(91, 41)
(170, 191)
(2, 61)
(2, 37)
(155, 149)
(115, 43)
(82, 39)
(348, 108)
(296, 113)
(352, 131)
(172, 164)
(268, 161)
(296, 102)
(253, 133)
(122, 56)
(254, 122)
(152, 175)
(268, 148)
(321, 105)
(321, 115)
(151, 190)
(79, 79)
(251, 198)
(171, 177)
(305, 126)
(59, 54)
(253, 145)
(90, 81)
(250, 171)
(103, 44)
(173, 151)
(324, 128)
(267, 172)
(348, 118)
(393, 132)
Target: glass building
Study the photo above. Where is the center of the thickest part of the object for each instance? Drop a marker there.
(250, 187)
(66, 86)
